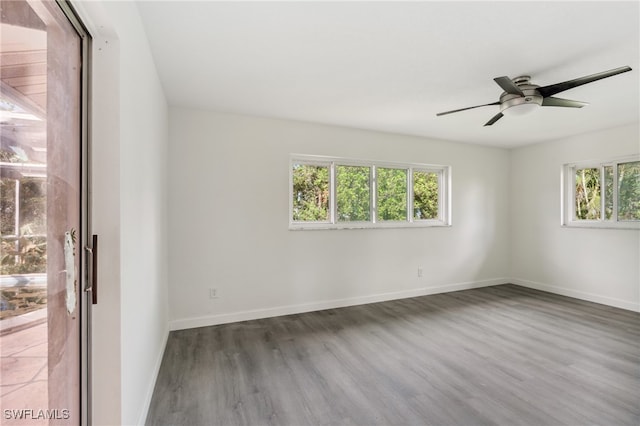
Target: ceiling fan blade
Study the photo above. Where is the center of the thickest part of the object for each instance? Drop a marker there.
(495, 118)
(559, 102)
(508, 85)
(464, 109)
(552, 89)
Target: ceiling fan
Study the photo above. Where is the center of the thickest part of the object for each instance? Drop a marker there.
(520, 96)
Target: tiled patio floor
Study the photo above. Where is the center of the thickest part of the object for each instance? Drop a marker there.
(23, 373)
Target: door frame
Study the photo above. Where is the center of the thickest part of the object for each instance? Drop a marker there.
(85, 286)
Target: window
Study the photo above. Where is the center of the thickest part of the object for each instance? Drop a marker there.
(310, 193)
(629, 191)
(392, 194)
(353, 193)
(602, 194)
(425, 195)
(336, 193)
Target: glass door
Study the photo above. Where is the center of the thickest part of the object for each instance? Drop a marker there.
(42, 305)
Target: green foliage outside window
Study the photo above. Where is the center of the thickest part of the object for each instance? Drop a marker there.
(425, 195)
(629, 191)
(608, 192)
(310, 193)
(392, 194)
(589, 190)
(588, 194)
(24, 250)
(23, 255)
(353, 194)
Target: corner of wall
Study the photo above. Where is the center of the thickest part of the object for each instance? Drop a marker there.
(152, 383)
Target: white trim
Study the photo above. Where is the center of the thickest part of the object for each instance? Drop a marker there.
(152, 383)
(204, 321)
(446, 196)
(603, 224)
(373, 194)
(299, 226)
(333, 206)
(577, 294)
(347, 161)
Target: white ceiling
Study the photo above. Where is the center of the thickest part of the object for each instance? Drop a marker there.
(391, 66)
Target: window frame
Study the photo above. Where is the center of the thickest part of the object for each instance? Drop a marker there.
(444, 193)
(568, 194)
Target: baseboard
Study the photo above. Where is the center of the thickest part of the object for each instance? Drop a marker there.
(590, 297)
(152, 384)
(204, 321)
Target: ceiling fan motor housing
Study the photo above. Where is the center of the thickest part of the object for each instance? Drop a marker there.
(531, 94)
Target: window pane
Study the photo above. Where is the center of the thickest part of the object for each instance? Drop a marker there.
(588, 194)
(425, 195)
(392, 194)
(608, 192)
(33, 206)
(353, 194)
(23, 241)
(8, 206)
(310, 193)
(629, 191)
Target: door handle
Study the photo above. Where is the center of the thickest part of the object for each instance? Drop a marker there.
(92, 286)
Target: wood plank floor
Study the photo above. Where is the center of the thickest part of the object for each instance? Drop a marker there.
(503, 355)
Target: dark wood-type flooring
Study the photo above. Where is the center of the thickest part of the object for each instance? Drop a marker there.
(503, 355)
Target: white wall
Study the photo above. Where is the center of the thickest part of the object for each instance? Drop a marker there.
(600, 265)
(130, 143)
(143, 212)
(228, 195)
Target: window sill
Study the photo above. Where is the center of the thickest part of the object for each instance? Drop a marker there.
(596, 224)
(367, 225)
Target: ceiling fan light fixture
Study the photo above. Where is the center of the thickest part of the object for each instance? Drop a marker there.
(521, 109)
(513, 105)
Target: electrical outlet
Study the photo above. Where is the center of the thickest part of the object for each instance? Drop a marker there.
(420, 271)
(213, 293)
